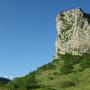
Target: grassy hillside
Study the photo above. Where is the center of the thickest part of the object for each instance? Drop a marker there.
(68, 73)
(3, 82)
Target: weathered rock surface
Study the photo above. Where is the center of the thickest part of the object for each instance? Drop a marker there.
(73, 32)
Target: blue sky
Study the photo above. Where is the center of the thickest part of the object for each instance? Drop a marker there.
(28, 33)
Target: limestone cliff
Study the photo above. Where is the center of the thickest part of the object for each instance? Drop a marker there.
(73, 32)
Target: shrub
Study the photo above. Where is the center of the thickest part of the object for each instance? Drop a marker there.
(56, 73)
(50, 78)
(85, 63)
(48, 66)
(65, 69)
(68, 62)
(66, 84)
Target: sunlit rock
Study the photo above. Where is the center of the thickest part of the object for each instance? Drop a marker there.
(73, 32)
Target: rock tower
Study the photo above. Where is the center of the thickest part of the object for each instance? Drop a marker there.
(73, 32)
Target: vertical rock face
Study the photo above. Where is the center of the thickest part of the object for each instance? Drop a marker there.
(73, 32)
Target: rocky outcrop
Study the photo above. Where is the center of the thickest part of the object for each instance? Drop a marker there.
(73, 32)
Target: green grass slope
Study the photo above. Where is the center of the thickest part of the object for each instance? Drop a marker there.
(3, 82)
(68, 73)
